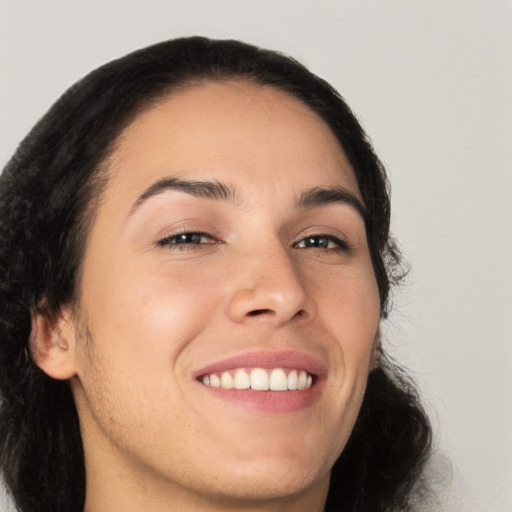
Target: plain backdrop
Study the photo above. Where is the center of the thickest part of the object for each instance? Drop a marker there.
(431, 82)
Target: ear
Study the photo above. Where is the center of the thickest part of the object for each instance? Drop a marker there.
(376, 356)
(52, 343)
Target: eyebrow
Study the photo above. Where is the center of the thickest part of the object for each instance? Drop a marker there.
(319, 196)
(203, 189)
(217, 191)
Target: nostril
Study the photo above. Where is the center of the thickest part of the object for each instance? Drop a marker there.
(257, 312)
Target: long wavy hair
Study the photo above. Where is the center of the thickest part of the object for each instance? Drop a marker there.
(49, 191)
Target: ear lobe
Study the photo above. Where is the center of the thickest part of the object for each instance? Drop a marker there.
(376, 357)
(52, 344)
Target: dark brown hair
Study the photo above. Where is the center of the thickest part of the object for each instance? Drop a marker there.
(48, 193)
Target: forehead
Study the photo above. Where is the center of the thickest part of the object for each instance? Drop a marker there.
(234, 132)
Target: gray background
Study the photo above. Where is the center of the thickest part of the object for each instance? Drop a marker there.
(431, 82)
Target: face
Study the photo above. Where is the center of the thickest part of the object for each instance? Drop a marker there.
(228, 255)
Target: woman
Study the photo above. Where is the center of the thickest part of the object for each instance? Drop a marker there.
(195, 257)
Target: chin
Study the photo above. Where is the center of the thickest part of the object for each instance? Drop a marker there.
(276, 481)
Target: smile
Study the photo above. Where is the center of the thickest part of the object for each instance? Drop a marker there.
(266, 381)
(260, 379)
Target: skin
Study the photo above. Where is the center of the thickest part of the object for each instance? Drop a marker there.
(152, 314)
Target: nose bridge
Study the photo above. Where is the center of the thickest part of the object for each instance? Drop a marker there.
(268, 286)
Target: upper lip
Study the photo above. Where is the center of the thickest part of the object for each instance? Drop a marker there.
(266, 359)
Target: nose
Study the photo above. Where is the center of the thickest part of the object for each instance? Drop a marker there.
(269, 288)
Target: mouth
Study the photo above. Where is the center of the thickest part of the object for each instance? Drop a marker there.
(260, 379)
(265, 381)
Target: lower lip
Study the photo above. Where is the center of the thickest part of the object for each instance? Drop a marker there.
(269, 401)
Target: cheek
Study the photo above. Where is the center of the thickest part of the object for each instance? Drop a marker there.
(150, 313)
(140, 322)
(348, 306)
(348, 301)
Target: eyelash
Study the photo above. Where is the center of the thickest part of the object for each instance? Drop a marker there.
(318, 242)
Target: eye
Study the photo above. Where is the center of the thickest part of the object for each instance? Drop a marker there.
(322, 242)
(185, 240)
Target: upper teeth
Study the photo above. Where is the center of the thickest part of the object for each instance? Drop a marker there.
(260, 379)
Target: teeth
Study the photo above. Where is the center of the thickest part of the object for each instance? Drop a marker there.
(214, 381)
(226, 381)
(241, 380)
(278, 380)
(293, 380)
(301, 384)
(260, 379)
